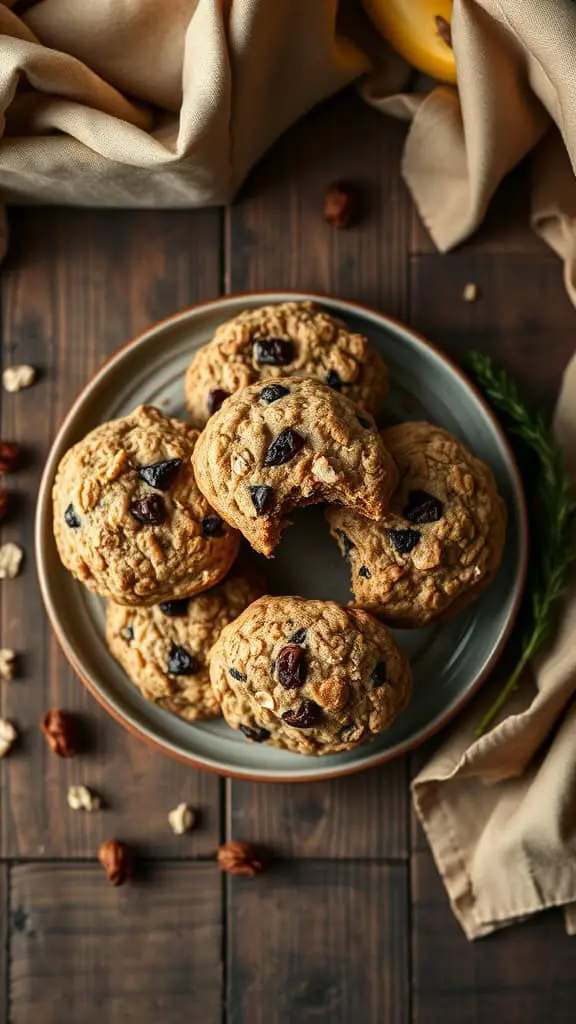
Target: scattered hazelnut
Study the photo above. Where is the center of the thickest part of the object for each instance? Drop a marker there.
(340, 205)
(9, 456)
(15, 378)
(238, 858)
(182, 819)
(81, 799)
(10, 560)
(443, 29)
(61, 732)
(471, 292)
(116, 859)
(7, 663)
(8, 736)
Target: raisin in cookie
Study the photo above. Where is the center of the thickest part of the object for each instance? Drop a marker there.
(441, 542)
(309, 676)
(129, 520)
(165, 650)
(273, 447)
(292, 338)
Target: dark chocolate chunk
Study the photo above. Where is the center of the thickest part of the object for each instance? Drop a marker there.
(212, 526)
(160, 475)
(237, 675)
(175, 608)
(423, 507)
(151, 510)
(273, 352)
(255, 733)
(364, 571)
(404, 540)
(181, 663)
(272, 392)
(333, 380)
(284, 447)
(261, 496)
(71, 518)
(299, 637)
(215, 399)
(378, 676)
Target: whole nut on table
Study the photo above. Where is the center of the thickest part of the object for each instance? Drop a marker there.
(116, 859)
(340, 205)
(61, 731)
(240, 858)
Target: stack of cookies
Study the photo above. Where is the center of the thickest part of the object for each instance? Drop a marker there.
(149, 512)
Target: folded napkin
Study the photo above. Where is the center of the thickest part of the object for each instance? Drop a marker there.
(149, 103)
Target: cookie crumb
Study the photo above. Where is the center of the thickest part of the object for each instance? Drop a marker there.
(10, 560)
(15, 378)
(8, 736)
(182, 819)
(471, 292)
(80, 798)
(7, 663)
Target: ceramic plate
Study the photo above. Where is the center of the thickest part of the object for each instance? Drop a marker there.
(449, 661)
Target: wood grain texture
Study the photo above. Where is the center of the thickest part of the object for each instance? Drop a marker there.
(83, 951)
(76, 285)
(364, 815)
(520, 975)
(276, 235)
(322, 943)
(4, 907)
(523, 317)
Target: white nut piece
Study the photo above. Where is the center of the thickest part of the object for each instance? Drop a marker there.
(322, 470)
(8, 736)
(80, 798)
(7, 663)
(15, 378)
(10, 560)
(182, 819)
(470, 293)
(264, 700)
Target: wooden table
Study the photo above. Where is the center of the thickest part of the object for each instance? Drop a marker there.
(352, 925)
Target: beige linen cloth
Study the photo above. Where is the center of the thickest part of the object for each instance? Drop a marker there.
(169, 103)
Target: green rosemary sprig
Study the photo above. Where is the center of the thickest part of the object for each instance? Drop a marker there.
(553, 514)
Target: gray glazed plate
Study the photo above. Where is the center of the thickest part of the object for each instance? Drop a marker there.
(449, 661)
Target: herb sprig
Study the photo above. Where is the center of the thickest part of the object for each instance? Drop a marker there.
(553, 512)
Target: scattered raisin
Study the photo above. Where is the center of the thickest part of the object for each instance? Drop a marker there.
(363, 421)
(151, 510)
(160, 475)
(128, 634)
(261, 496)
(215, 399)
(299, 637)
(307, 715)
(237, 675)
(71, 518)
(404, 540)
(212, 526)
(9, 456)
(255, 733)
(333, 380)
(291, 667)
(378, 676)
(274, 352)
(423, 508)
(347, 544)
(180, 662)
(174, 608)
(364, 572)
(272, 392)
(284, 447)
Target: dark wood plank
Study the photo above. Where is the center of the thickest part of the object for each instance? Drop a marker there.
(364, 815)
(277, 238)
(4, 905)
(505, 228)
(276, 234)
(83, 951)
(322, 943)
(521, 975)
(523, 317)
(75, 286)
